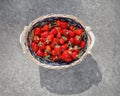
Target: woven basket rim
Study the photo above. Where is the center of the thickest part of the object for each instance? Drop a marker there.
(50, 66)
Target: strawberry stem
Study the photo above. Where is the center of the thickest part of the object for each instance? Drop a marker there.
(64, 38)
(42, 24)
(69, 24)
(48, 57)
(54, 23)
(69, 44)
(39, 44)
(74, 28)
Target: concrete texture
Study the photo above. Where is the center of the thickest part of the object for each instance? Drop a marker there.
(97, 75)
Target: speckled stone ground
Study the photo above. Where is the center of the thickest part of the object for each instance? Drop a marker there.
(97, 75)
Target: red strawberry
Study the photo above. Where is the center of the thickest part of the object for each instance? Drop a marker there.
(53, 31)
(49, 38)
(74, 55)
(76, 50)
(36, 39)
(41, 45)
(34, 47)
(71, 34)
(72, 40)
(40, 53)
(58, 22)
(66, 56)
(78, 32)
(46, 27)
(60, 56)
(72, 27)
(77, 39)
(62, 41)
(58, 35)
(46, 54)
(58, 29)
(45, 34)
(63, 24)
(64, 47)
(65, 32)
(54, 42)
(52, 45)
(54, 58)
(37, 31)
(48, 48)
(58, 49)
(42, 39)
(54, 52)
(82, 44)
(68, 59)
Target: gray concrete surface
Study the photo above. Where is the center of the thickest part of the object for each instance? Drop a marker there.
(98, 75)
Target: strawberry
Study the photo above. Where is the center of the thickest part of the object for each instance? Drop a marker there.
(59, 35)
(46, 54)
(72, 27)
(62, 41)
(82, 44)
(41, 45)
(46, 27)
(54, 58)
(48, 48)
(58, 22)
(63, 24)
(77, 39)
(52, 45)
(54, 42)
(65, 32)
(36, 39)
(53, 31)
(58, 29)
(78, 32)
(60, 57)
(66, 56)
(45, 34)
(74, 55)
(76, 50)
(40, 53)
(42, 39)
(71, 34)
(37, 31)
(54, 52)
(64, 47)
(72, 40)
(49, 38)
(69, 59)
(58, 49)
(34, 47)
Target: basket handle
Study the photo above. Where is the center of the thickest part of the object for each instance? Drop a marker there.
(88, 29)
(21, 39)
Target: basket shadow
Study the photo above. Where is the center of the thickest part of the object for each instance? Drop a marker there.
(74, 80)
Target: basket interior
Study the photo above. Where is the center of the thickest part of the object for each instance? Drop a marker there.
(58, 63)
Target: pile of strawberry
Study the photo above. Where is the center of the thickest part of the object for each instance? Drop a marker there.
(58, 40)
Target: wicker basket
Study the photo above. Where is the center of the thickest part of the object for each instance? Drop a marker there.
(25, 40)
